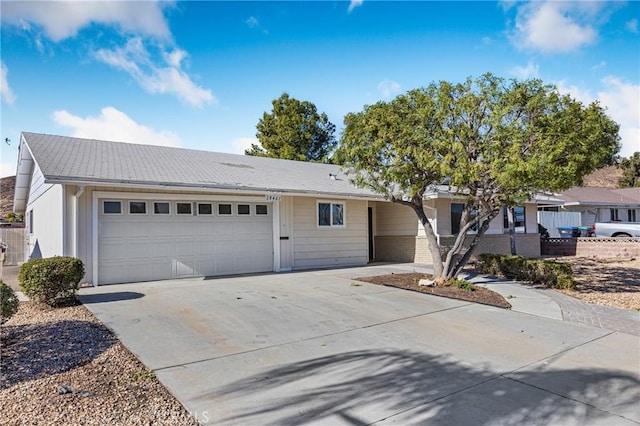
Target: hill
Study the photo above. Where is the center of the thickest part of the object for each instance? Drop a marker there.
(7, 186)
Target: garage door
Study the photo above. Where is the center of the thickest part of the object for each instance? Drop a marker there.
(142, 240)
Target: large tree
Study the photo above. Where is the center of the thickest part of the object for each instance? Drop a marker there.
(294, 130)
(630, 171)
(490, 141)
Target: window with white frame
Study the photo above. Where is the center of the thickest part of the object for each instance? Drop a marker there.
(244, 209)
(631, 215)
(111, 207)
(161, 207)
(184, 208)
(224, 209)
(615, 215)
(261, 209)
(137, 207)
(331, 214)
(30, 221)
(205, 209)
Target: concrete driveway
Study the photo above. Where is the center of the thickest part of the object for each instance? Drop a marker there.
(319, 348)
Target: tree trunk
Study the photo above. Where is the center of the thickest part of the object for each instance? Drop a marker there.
(512, 230)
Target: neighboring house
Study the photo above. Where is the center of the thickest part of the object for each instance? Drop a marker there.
(598, 204)
(140, 212)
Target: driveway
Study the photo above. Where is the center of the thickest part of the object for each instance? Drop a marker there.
(320, 348)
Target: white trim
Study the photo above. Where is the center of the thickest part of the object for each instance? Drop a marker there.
(94, 236)
(177, 197)
(275, 213)
(65, 239)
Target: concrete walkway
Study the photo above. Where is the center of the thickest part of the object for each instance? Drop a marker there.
(321, 348)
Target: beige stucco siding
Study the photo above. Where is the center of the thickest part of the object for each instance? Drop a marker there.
(316, 247)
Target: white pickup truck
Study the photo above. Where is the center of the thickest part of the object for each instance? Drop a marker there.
(617, 229)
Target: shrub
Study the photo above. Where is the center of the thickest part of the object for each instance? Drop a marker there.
(460, 283)
(8, 303)
(539, 271)
(51, 280)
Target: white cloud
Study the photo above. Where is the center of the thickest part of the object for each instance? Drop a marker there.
(388, 88)
(622, 103)
(555, 26)
(530, 71)
(5, 90)
(238, 145)
(354, 4)
(252, 22)
(136, 60)
(64, 18)
(114, 125)
(632, 26)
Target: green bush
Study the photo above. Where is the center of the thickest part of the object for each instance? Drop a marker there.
(461, 283)
(51, 280)
(539, 271)
(8, 302)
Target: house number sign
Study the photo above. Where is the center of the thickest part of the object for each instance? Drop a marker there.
(272, 197)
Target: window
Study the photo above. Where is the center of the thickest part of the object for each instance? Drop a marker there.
(615, 216)
(224, 208)
(244, 209)
(205, 209)
(30, 221)
(183, 208)
(631, 213)
(330, 214)
(160, 208)
(261, 209)
(518, 219)
(456, 216)
(137, 207)
(112, 207)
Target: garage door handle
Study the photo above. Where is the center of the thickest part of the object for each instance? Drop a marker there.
(284, 238)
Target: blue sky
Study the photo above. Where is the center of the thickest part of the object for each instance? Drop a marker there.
(200, 74)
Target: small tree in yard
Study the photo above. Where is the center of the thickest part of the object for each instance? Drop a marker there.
(493, 142)
(294, 130)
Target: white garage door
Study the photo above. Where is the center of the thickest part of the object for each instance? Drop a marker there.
(151, 240)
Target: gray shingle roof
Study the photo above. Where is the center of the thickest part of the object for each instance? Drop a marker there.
(66, 159)
(598, 195)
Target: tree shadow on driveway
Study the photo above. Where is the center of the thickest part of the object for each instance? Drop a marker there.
(370, 386)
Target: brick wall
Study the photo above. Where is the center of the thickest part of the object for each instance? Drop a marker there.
(402, 249)
(414, 249)
(592, 247)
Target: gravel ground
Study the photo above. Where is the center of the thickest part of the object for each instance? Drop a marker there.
(609, 282)
(61, 366)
